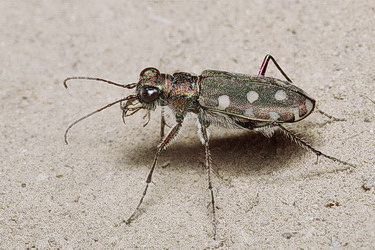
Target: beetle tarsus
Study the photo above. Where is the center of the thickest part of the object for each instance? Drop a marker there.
(172, 134)
(330, 116)
(209, 170)
(307, 146)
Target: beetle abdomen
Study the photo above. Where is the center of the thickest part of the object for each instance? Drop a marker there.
(257, 98)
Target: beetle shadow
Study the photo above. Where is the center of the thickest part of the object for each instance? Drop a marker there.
(239, 152)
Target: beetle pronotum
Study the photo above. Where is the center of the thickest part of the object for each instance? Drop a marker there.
(219, 98)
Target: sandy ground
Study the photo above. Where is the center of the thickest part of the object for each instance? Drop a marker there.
(270, 193)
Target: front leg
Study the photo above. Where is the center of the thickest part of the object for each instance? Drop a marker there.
(208, 163)
(162, 123)
(172, 134)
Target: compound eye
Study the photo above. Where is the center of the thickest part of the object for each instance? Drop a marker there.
(149, 94)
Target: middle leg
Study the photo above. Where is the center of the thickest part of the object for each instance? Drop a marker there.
(209, 169)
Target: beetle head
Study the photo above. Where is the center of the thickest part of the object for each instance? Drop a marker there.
(150, 88)
(148, 93)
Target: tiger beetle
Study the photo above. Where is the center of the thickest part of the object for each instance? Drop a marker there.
(220, 98)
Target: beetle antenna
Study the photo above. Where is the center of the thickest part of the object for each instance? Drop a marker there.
(96, 111)
(126, 86)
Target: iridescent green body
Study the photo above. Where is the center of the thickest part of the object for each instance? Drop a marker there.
(228, 99)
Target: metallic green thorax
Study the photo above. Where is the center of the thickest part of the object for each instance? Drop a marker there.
(178, 91)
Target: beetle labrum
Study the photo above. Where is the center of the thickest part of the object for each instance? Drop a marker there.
(218, 98)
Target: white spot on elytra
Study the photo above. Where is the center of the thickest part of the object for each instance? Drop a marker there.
(223, 102)
(252, 96)
(249, 113)
(274, 115)
(280, 95)
(309, 105)
(296, 114)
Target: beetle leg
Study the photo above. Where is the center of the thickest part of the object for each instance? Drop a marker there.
(330, 116)
(162, 123)
(172, 134)
(263, 68)
(307, 146)
(208, 164)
